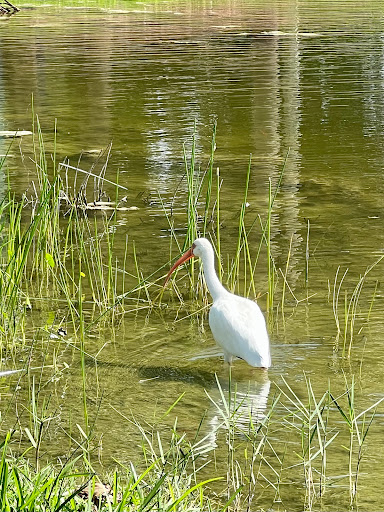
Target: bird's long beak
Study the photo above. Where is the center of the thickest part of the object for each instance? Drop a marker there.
(185, 257)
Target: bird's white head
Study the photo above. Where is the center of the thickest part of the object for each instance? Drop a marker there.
(200, 248)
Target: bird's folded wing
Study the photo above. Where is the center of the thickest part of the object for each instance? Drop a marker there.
(239, 327)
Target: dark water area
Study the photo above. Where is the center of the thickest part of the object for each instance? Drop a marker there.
(278, 78)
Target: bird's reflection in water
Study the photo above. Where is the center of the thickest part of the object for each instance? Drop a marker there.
(236, 404)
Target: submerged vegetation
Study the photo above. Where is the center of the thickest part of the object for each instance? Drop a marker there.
(58, 247)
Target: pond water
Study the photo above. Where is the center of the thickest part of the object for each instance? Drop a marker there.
(278, 78)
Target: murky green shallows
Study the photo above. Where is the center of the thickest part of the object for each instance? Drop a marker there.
(256, 123)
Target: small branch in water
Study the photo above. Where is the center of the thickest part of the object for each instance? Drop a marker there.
(77, 169)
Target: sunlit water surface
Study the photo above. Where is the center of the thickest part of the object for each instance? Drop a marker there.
(297, 78)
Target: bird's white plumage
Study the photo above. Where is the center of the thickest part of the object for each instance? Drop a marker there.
(238, 326)
(237, 323)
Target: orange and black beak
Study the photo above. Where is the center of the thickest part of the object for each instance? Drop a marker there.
(185, 257)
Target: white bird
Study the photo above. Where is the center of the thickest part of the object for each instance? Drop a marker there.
(237, 323)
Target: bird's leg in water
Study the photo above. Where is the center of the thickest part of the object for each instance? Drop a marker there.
(228, 358)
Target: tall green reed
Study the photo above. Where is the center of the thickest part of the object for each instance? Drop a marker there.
(358, 424)
(346, 308)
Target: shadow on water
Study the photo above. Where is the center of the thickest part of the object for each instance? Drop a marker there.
(246, 389)
(197, 376)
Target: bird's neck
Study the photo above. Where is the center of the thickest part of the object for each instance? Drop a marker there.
(216, 289)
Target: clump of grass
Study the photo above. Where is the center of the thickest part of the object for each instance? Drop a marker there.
(322, 435)
(309, 417)
(165, 484)
(346, 314)
(358, 424)
(47, 251)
